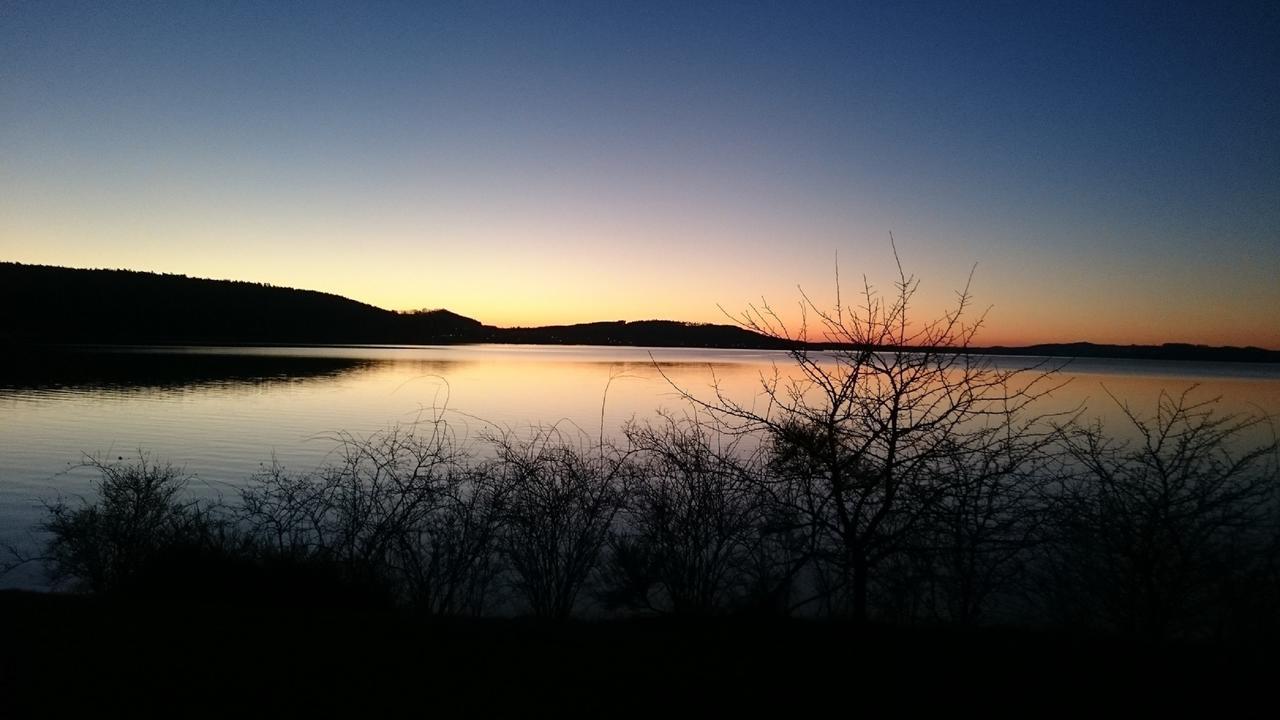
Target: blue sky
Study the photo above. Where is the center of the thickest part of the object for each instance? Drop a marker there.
(1112, 168)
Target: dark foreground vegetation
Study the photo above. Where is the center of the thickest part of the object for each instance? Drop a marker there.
(886, 527)
(678, 572)
(54, 305)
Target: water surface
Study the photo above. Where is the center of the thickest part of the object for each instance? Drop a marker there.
(222, 413)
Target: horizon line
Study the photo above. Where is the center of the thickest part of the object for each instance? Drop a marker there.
(999, 345)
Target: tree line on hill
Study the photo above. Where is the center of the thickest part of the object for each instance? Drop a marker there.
(46, 304)
(55, 305)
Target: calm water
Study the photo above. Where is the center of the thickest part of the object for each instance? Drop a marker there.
(223, 412)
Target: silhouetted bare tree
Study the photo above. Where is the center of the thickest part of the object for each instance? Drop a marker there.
(866, 433)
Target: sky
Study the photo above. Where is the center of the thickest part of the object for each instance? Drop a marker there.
(1108, 171)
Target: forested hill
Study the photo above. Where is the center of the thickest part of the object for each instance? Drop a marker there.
(46, 304)
(1166, 351)
(63, 305)
(651, 333)
(56, 305)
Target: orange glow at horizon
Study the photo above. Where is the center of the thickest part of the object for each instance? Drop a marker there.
(530, 165)
(549, 278)
(514, 296)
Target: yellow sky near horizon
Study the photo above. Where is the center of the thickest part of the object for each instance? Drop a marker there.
(1112, 174)
(523, 291)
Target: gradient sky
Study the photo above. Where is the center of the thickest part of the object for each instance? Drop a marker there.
(1113, 169)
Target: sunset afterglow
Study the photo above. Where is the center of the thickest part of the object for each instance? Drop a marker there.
(1111, 172)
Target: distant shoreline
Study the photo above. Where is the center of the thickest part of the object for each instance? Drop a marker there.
(1048, 351)
(50, 306)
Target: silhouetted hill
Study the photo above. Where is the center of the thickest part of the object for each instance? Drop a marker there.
(655, 333)
(53, 304)
(45, 304)
(1167, 351)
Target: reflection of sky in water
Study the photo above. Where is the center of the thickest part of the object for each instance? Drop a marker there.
(222, 429)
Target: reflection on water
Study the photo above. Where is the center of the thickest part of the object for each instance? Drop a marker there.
(222, 412)
(131, 370)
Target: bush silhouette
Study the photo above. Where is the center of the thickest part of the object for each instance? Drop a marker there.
(139, 516)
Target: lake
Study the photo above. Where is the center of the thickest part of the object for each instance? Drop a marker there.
(222, 413)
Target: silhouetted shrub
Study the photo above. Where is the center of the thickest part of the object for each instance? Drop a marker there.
(139, 515)
(561, 501)
(690, 522)
(1170, 535)
(400, 511)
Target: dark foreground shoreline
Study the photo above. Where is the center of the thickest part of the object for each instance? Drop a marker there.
(188, 658)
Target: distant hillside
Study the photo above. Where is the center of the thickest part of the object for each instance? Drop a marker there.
(55, 305)
(653, 333)
(62, 305)
(1167, 351)
(44, 304)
